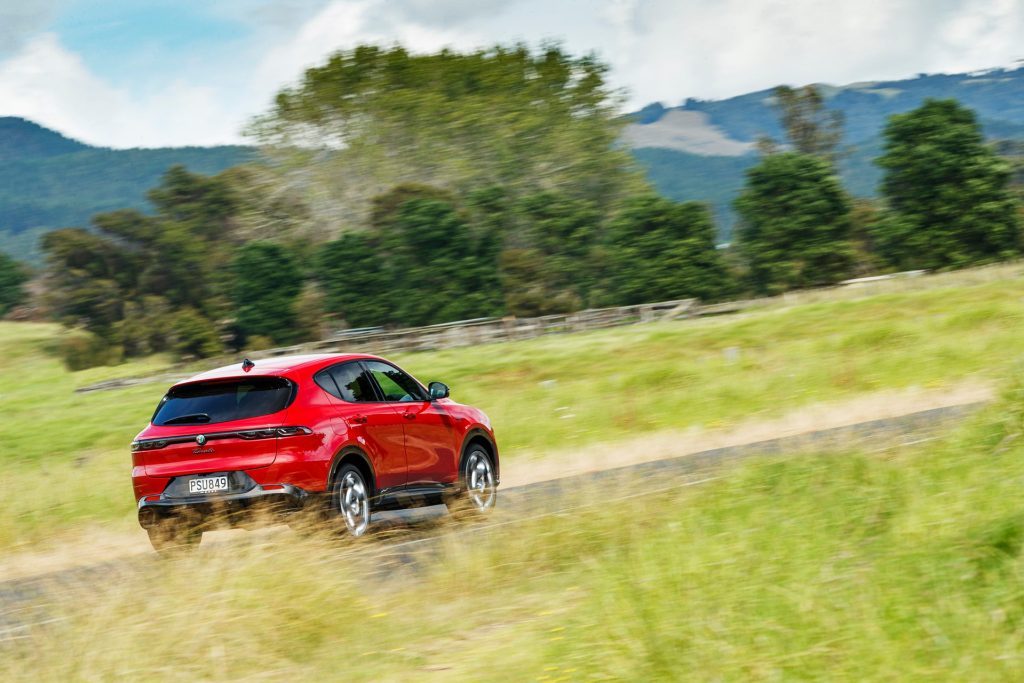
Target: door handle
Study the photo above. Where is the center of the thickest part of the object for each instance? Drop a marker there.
(360, 419)
(409, 416)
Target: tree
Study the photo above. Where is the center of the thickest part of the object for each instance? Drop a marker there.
(204, 203)
(565, 232)
(420, 263)
(133, 271)
(88, 279)
(387, 206)
(543, 244)
(193, 335)
(794, 224)
(1012, 152)
(12, 279)
(372, 118)
(267, 282)
(661, 250)
(864, 215)
(947, 197)
(437, 270)
(810, 127)
(528, 285)
(353, 278)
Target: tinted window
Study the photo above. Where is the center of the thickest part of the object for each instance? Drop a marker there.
(327, 383)
(348, 382)
(223, 401)
(395, 384)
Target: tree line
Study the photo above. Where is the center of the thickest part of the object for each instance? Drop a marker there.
(406, 190)
(187, 280)
(947, 200)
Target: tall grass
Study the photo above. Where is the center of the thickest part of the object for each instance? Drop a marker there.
(902, 565)
(66, 459)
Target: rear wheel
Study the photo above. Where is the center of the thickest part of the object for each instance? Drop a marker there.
(479, 486)
(351, 500)
(173, 533)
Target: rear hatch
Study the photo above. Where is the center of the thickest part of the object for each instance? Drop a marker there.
(215, 425)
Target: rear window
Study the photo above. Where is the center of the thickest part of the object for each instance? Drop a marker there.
(223, 401)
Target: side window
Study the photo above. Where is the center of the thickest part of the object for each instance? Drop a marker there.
(395, 384)
(348, 382)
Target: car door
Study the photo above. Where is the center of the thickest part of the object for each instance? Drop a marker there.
(429, 429)
(376, 426)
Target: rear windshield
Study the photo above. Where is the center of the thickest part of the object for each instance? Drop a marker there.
(223, 401)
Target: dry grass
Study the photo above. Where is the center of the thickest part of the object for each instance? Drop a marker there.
(66, 458)
(900, 565)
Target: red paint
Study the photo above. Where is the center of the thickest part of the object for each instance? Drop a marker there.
(412, 442)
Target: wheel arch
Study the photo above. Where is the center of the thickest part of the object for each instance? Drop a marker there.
(481, 437)
(355, 456)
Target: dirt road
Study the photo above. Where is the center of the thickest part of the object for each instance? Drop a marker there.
(89, 546)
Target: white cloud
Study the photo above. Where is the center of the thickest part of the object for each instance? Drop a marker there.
(21, 19)
(984, 32)
(336, 25)
(347, 23)
(683, 48)
(52, 86)
(659, 50)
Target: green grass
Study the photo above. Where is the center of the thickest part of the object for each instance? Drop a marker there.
(902, 565)
(66, 455)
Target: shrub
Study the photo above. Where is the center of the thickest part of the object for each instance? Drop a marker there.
(194, 335)
(80, 350)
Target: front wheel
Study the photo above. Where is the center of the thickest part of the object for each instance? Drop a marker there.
(351, 500)
(479, 486)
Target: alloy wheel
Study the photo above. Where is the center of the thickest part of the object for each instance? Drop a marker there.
(353, 503)
(480, 481)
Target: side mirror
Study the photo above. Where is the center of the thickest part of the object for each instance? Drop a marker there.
(437, 390)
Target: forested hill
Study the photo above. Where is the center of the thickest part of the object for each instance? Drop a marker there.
(700, 149)
(696, 151)
(20, 139)
(49, 181)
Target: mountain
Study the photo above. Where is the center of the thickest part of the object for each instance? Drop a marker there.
(19, 137)
(700, 150)
(49, 181)
(696, 151)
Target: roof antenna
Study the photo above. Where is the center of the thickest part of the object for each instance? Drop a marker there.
(247, 365)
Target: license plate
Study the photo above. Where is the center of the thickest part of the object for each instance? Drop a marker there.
(207, 484)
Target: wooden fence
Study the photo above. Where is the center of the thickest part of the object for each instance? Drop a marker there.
(462, 333)
(489, 330)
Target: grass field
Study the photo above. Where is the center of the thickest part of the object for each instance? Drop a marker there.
(66, 455)
(901, 565)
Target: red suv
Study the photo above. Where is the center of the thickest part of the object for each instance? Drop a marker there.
(348, 434)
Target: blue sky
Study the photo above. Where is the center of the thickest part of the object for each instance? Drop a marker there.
(159, 38)
(128, 73)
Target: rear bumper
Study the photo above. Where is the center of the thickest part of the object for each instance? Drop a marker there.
(229, 507)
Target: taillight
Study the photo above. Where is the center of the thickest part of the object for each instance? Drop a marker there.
(271, 433)
(148, 445)
(247, 434)
(258, 434)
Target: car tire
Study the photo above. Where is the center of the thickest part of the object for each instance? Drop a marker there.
(174, 533)
(478, 488)
(350, 500)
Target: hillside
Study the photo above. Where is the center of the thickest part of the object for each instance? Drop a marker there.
(853, 559)
(548, 397)
(48, 181)
(717, 179)
(699, 150)
(696, 151)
